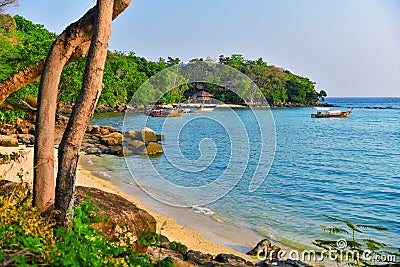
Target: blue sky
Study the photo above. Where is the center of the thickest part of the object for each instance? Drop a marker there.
(349, 47)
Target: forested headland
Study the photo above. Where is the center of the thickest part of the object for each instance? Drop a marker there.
(23, 43)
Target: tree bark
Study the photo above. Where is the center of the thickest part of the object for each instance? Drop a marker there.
(71, 41)
(83, 110)
(79, 33)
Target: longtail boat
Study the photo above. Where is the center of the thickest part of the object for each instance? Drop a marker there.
(325, 112)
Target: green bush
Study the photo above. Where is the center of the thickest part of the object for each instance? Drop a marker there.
(9, 116)
(27, 238)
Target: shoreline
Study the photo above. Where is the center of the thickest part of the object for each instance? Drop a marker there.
(167, 225)
(195, 230)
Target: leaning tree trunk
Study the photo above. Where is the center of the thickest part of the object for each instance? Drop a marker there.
(68, 46)
(82, 29)
(83, 110)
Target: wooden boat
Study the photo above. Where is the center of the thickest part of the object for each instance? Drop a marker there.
(325, 112)
(191, 110)
(164, 113)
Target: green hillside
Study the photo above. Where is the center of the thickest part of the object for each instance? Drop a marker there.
(23, 43)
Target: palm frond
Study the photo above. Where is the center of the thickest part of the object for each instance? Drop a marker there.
(334, 230)
(334, 219)
(379, 228)
(352, 226)
(374, 245)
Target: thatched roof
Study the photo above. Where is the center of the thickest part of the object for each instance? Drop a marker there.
(203, 95)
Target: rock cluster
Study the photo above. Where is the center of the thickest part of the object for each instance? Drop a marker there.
(143, 142)
(22, 133)
(195, 258)
(107, 140)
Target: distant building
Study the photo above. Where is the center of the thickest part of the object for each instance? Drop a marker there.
(202, 97)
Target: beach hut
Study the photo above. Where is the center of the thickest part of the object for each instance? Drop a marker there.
(201, 97)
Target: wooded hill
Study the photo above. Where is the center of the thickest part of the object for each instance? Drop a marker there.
(23, 43)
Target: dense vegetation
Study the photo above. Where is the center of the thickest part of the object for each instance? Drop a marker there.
(29, 238)
(23, 43)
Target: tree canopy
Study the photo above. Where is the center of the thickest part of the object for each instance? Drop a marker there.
(24, 43)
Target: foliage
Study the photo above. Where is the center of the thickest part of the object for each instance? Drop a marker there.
(25, 235)
(125, 72)
(9, 116)
(177, 246)
(28, 237)
(83, 245)
(350, 249)
(13, 156)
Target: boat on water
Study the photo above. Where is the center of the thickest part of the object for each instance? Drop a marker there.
(326, 112)
(164, 113)
(196, 107)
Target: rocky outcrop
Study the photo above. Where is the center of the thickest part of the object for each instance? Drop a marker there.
(143, 142)
(197, 257)
(21, 133)
(126, 220)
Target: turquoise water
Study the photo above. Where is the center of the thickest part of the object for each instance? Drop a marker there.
(346, 168)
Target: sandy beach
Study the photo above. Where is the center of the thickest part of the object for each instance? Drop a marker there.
(166, 225)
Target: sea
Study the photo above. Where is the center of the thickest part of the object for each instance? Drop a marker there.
(239, 175)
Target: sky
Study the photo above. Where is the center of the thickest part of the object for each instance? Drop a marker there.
(348, 47)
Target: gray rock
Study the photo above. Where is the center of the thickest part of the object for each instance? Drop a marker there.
(230, 260)
(134, 135)
(93, 151)
(197, 257)
(127, 151)
(137, 144)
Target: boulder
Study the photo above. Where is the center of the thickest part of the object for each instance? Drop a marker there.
(176, 258)
(265, 249)
(111, 139)
(117, 150)
(154, 149)
(9, 142)
(197, 257)
(136, 144)
(148, 135)
(229, 260)
(104, 131)
(121, 213)
(109, 128)
(261, 246)
(134, 135)
(127, 151)
(93, 129)
(93, 151)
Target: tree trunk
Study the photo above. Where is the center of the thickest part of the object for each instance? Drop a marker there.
(78, 33)
(83, 110)
(71, 41)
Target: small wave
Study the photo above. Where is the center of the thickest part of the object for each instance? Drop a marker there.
(89, 161)
(205, 211)
(105, 174)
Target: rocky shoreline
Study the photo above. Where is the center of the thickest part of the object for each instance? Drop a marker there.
(97, 140)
